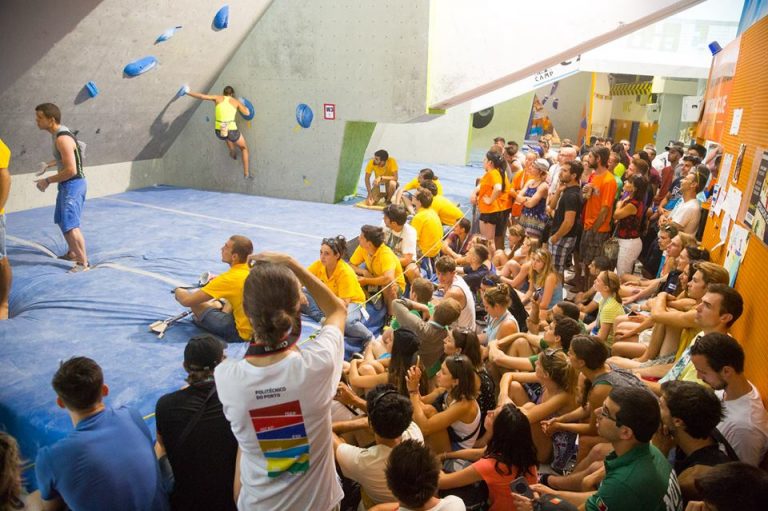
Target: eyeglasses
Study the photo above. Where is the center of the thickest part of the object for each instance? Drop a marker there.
(604, 414)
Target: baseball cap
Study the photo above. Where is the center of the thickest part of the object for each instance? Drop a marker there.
(541, 164)
(203, 352)
(674, 143)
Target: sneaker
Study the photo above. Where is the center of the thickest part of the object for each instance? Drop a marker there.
(249, 176)
(79, 268)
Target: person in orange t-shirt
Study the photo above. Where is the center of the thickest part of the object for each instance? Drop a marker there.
(518, 182)
(487, 196)
(599, 195)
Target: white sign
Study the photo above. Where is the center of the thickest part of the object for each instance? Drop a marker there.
(691, 108)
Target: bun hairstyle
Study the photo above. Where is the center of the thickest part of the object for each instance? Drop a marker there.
(271, 300)
(499, 295)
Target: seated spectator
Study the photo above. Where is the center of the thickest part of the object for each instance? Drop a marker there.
(88, 469)
(340, 278)
(501, 322)
(399, 235)
(588, 355)
(453, 286)
(389, 415)
(477, 267)
(732, 487)
(720, 307)
(457, 243)
(12, 494)
(719, 362)
(446, 209)
(654, 259)
(382, 271)
(556, 395)
(405, 347)
(405, 194)
(218, 306)
(637, 476)
(689, 414)
(429, 235)
(516, 271)
(457, 426)
(384, 183)
(412, 474)
(430, 332)
(461, 341)
(192, 430)
(510, 454)
(278, 398)
(685, 215)
(589, 301)
(516, 307)
(607, 284)
(544, 285)
(515, 236)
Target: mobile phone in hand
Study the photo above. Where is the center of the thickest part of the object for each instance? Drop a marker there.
(520, 486)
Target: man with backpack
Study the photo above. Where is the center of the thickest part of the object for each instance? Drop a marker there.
(68, 159)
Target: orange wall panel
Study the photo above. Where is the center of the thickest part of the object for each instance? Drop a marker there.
(750, 92)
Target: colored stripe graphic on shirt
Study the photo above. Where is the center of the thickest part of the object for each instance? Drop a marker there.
(282, 437)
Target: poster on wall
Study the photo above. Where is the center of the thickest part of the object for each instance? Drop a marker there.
(757, 209)
(739, 163)
(737, 247)
(719, 85)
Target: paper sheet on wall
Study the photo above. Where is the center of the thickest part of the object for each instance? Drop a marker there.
(736, 121)
(717, 207)
(737, 247)
(725, 225)
(732, 202)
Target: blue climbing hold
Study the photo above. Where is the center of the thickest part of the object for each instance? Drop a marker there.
(304, 115)
(554, 103)
(140, 66)
(182, 91)
(221, 20)
(93, 91)
(167, 34)
(251, 111)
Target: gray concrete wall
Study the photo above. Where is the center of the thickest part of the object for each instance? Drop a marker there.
(50, 49)
(367, 58)
(441, 140)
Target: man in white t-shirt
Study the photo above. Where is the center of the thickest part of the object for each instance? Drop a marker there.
(412, 473)
(278, 398)
(453, 286)
(719, 362)
(687, 213)
(389, 415)
(399, 235)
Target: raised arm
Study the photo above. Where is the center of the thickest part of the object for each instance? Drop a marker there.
(204, 97)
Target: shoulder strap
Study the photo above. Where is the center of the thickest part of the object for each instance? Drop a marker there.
(719, 438)
(196, 418)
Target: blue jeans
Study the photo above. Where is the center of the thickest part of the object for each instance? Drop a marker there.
(354, 326)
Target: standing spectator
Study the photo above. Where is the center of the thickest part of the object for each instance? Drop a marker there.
(5, 266)
(629, 218)
(719, 362)
(278, 398)
(70, 198)
(599, 193)
(566, 215)
(90, 468)
(488, 197)
(193, 431)
(534, 200)
(429, 235)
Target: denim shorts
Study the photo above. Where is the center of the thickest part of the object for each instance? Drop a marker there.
(219, 323)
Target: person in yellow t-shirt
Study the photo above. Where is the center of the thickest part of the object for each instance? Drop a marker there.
(228, 319)
(429, 236)
(382, 267)
(5, 266)
(405, 194)
(448, 212)
(340, 278)
(225, 126)
(384, 168)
